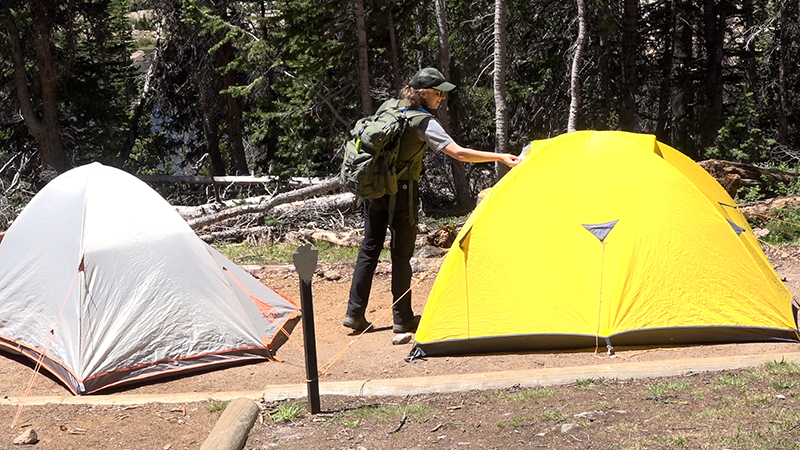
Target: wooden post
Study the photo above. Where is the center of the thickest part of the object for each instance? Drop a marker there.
(305, 262)
(233, 427)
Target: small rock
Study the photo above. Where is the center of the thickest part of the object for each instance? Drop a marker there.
(331, 275)
(429, 251)
(588, 415)
(27, 438)
(401, 339)
(567, 427)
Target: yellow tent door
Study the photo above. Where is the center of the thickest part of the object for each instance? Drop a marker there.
(602, 237)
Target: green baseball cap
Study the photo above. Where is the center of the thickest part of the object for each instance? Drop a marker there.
(430, 78)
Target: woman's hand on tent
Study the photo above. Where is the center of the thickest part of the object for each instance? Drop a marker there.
(509, 159)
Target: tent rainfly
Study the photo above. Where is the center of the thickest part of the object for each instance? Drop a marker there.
(603, 238)
(105, 283)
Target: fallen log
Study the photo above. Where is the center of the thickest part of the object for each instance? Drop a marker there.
(233, 427)
(266, 205)
(319, 206)
(227, 180)
(234, 234)
(733, 176)
(765, 208)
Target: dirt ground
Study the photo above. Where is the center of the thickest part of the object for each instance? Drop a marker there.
(464, 420)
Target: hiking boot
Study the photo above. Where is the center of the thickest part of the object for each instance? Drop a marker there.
(358, 324)
(408, 327)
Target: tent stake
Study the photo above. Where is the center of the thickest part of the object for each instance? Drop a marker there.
(305, 262)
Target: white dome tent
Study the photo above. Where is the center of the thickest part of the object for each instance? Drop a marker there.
(105, 282)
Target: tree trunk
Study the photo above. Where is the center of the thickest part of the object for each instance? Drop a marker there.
(363, 59)
(45, 128)
(499, 82)
(223, 57)
(714, 17)
(233, 111)
(575, 84)
(605, 23)
(420, 29)
(784, 62)
(208, 96)
(444, 56)
(394, 48)
(138, 110)
(751, 77)
(630, 50)
(682, 90)
(210, 124)
(460, 183)
(664, 101)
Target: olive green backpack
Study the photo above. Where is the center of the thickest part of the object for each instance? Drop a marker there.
(370, 153)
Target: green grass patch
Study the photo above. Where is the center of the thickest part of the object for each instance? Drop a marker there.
(783, 226)
(519, 421)
(661, 389)
(759, 439)
(531, 394)
(145, 44)
(349, 423)
(782, 367)
(607, 404)
(217, 406)
(761, 400)
(784, 384)
(553, 416)
(287, 412)
(729, 380)
(281, 253)
(679, 441)
(589, 384)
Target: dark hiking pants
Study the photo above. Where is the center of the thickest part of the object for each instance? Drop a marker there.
(403, 234)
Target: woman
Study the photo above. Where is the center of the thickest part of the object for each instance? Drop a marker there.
(426, 91)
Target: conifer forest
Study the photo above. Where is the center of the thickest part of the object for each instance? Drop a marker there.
(271, 87)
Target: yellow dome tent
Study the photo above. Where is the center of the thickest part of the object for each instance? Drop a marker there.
(603, 238)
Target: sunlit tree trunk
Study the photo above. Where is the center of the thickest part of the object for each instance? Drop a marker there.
(499, 81)
(575, 84)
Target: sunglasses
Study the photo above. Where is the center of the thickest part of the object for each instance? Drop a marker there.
(439, 94)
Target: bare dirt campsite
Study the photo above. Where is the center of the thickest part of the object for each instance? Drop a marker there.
(742, 409)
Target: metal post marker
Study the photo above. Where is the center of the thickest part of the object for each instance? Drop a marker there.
(305, 262)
